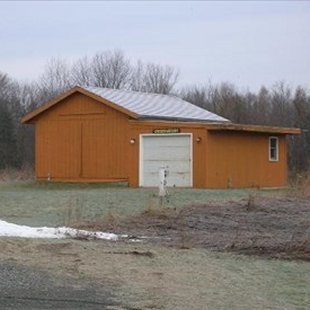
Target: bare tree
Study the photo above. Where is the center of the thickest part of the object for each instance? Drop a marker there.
(160, 79)
(281, 105)
(196, 95)
(9, 109)
(56, 77)
(300, 146)
(82, 72)
(5, 83)
(153, 78)
(137, 81)
(262, 107)
(110, 69)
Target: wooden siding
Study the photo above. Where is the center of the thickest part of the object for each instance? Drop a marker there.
(147, 128)
(238, 159)
(81, 139)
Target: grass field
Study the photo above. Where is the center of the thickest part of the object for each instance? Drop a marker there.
(170, 278)
(32, 203)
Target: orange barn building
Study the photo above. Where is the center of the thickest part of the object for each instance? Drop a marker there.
(104, 135)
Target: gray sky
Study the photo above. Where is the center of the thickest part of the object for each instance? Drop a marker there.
(246, 43)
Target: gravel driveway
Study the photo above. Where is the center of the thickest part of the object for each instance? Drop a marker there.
(23, 287)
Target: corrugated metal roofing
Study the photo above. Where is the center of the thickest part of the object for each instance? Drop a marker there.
(148, 105)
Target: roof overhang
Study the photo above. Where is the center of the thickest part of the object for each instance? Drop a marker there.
(30, 117)
(254, 128)
(223, 126)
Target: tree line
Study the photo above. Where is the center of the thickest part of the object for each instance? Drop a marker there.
(279, 105)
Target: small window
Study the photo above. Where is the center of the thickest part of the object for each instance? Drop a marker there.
(273, 149)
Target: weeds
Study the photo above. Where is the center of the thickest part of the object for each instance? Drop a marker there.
(10, 174)
(111, 221)
(186, 241)
(251, 202)
(73, 212)
(155, 211)
(300, 185)
(161, 213)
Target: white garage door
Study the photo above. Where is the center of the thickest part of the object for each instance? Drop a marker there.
(172, 151)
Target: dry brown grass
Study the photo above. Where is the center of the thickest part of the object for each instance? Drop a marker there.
(10, 174)
(300, 186)
(272, 227)
(111, 221)
(305, 186)
(74, 215)
(252, 201)
(152, 211)
(73, 212)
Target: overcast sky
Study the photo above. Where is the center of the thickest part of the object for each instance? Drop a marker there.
(246, 43)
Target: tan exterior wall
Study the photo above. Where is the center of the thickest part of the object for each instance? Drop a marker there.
(81, 139)
(238, 159)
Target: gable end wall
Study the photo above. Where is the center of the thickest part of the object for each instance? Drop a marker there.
(81, 139)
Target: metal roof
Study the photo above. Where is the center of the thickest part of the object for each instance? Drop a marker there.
(148, 105)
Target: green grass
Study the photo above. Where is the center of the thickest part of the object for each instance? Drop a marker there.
(40, 204)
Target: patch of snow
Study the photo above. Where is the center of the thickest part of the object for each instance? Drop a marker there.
(22, 231)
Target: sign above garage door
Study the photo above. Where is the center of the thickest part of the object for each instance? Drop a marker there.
(173, 151)
(166, 130)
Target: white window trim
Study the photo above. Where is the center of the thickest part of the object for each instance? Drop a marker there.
(277, 149)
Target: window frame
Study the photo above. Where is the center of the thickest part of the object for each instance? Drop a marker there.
(276, 158)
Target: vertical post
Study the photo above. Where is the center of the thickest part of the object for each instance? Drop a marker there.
(163, 173)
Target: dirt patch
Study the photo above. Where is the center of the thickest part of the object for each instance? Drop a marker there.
(271, 227)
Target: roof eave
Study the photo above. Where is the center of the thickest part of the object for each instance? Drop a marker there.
(27, 119)
(255, 128)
